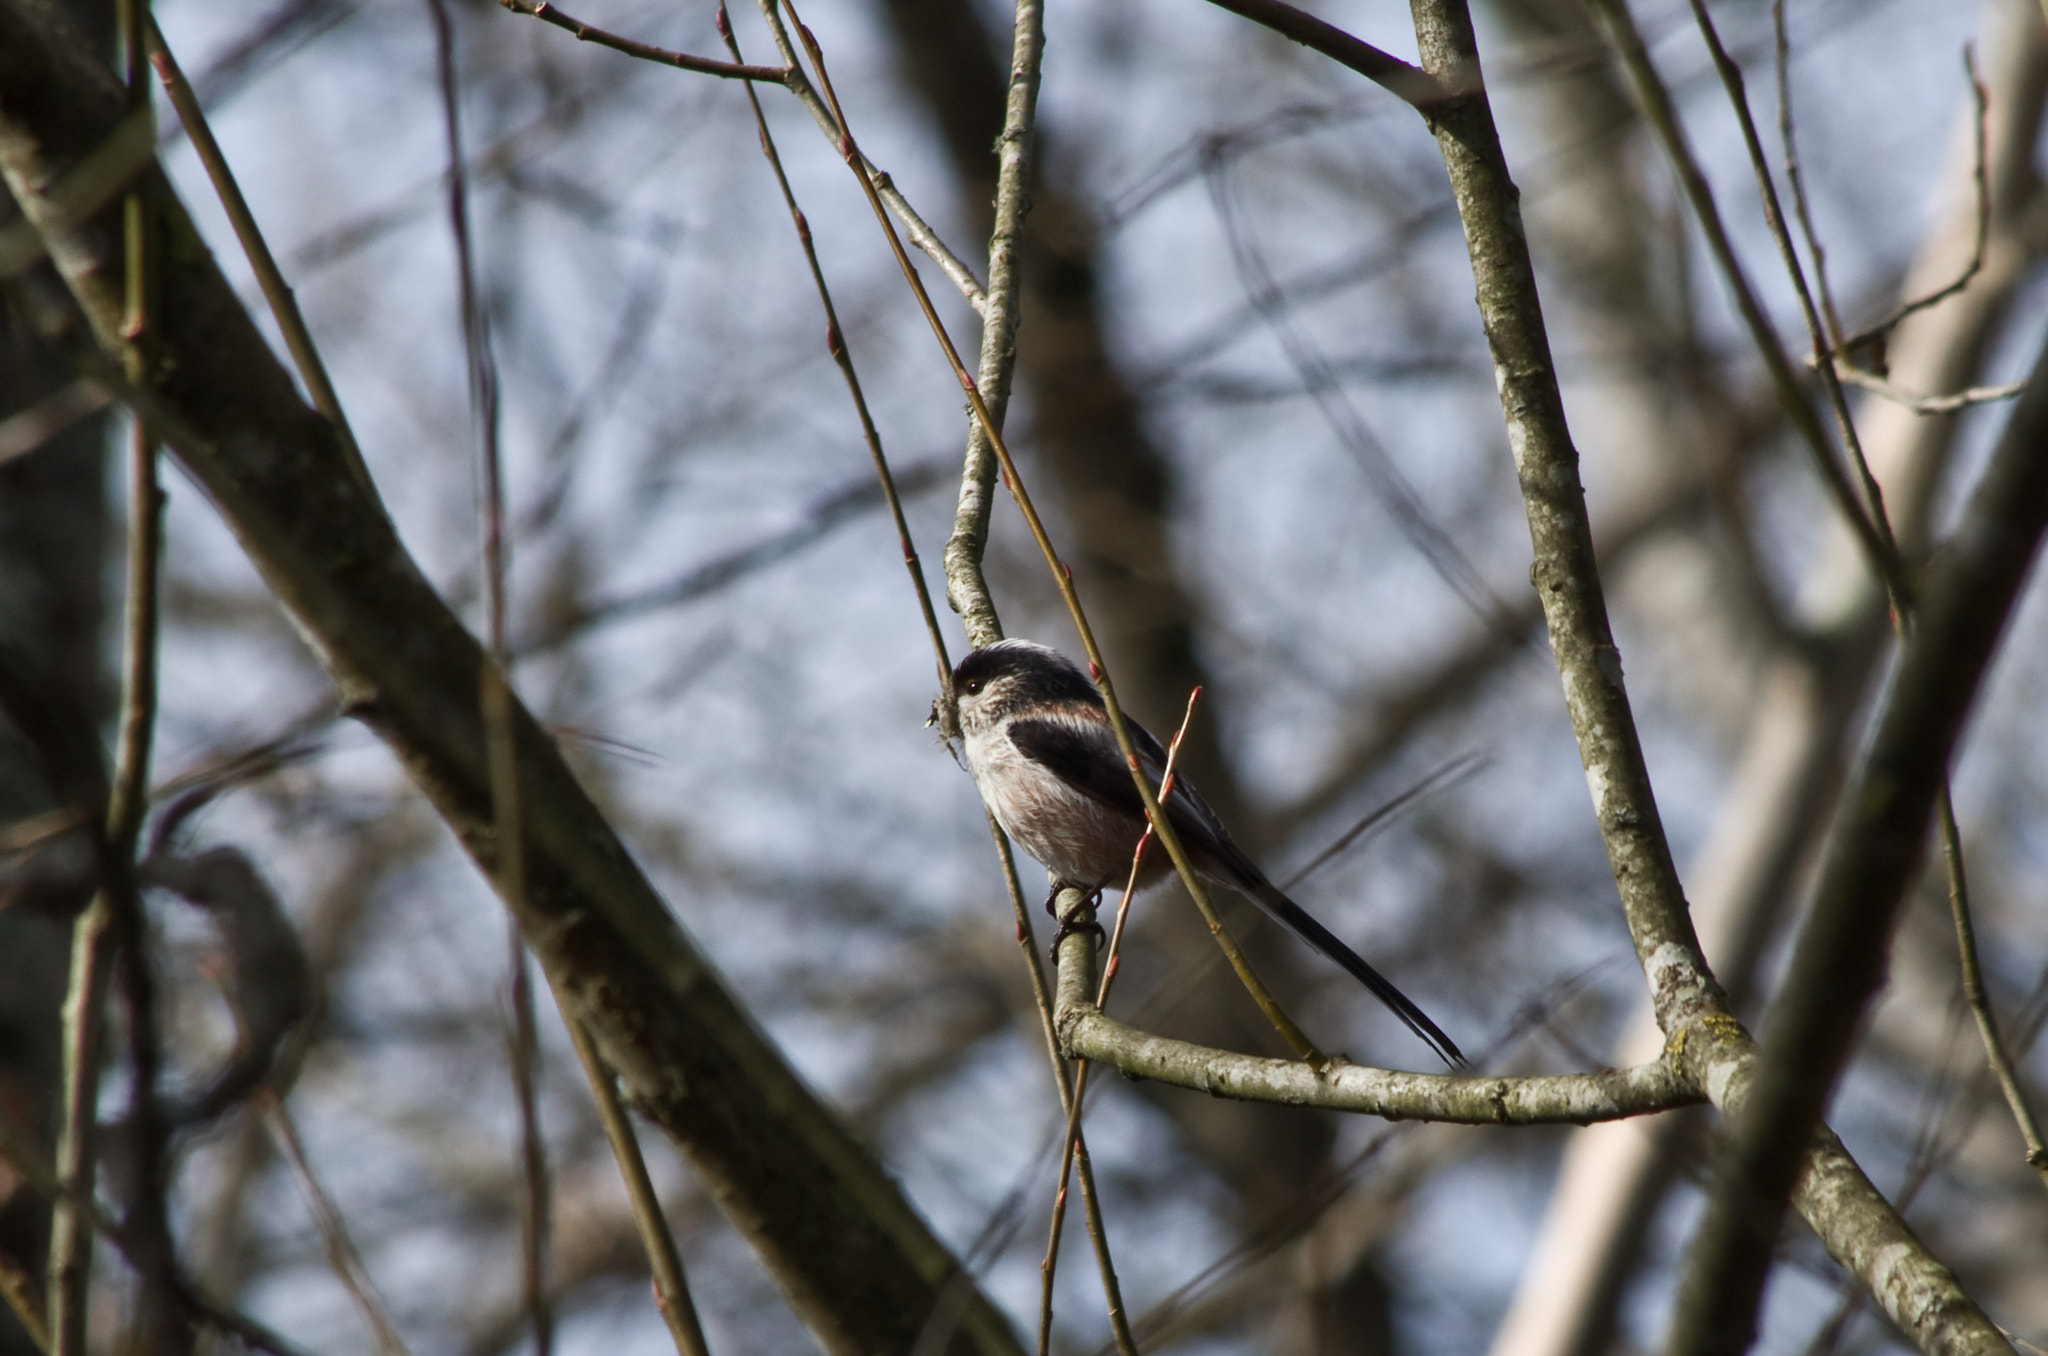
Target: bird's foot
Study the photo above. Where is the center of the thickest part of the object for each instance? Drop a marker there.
(1073, 921)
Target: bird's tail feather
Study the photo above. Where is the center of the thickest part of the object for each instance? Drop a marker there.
(1297, 919)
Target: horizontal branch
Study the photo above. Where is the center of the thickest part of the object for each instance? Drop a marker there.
(1565, 1099)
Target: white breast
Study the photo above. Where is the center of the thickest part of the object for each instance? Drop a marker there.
(1076, 838)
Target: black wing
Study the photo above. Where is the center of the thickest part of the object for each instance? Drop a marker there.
(1085, 757)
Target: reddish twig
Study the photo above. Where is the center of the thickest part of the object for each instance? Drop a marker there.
(1123, 907)
(1072, 1145)
(1063, 577)
(835, 344)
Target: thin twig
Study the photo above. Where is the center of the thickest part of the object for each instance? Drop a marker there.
(19, 1289)
(1982, 100)
(1795, 180)
(671, 1286)
(1063, 579)
(842, 355)
(25, 431)
(496, 702)
(70, 1266)
(113, 914)
(284, 307)
(343, 1257)
(1411, 85)
(1928, 404)
(534, 1211)
(921, 233)
(1078, 907)
(1975, 994)
(682, 61)
(1655, 101)
(1889, 564)
(1072, 1146)
(1436, 546)
(1438, 779)
(828, 512)
(1123, 905)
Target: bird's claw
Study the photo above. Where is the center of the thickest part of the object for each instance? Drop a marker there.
(1070, 921)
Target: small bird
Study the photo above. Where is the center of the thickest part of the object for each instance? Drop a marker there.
(1039, 743)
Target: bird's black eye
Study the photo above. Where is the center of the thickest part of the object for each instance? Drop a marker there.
(972, 686)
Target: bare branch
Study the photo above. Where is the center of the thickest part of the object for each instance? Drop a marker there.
(671, 1287)
(1840, 959)
(343, 1258)
(1981, 99)
(858, 1263)
(1418, 89)
(793, 79)
(842, 356)
(284, 307)
(1655, 100)
(661, 56)
(1063, 580)
(1929, 404)
(1974, 993)
(1567, 1099)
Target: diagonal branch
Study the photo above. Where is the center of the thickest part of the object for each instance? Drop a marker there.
(793, 79)
(1858, 1226)
(1416, 88)
(1872, 859)
(859, 1264)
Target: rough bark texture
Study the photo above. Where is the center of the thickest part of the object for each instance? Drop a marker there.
(1793, 744)
(1564, 571)
(1689, 1005)
(858, 1263)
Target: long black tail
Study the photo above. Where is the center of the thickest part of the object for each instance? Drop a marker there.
(1268, 897)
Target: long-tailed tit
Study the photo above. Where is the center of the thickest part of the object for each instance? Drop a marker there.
(1039, 743)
